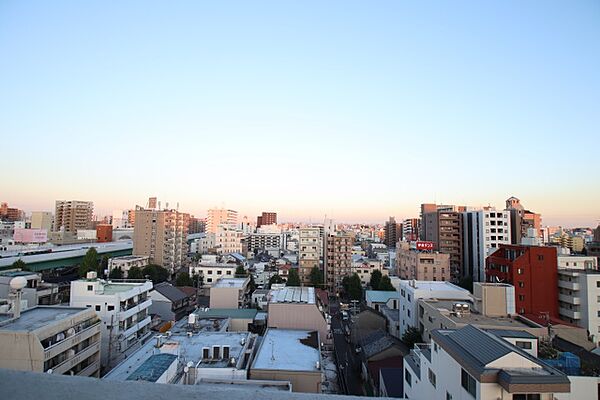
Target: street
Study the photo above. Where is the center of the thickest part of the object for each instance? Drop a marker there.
(347, 362)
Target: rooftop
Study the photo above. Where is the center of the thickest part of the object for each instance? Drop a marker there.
(153, 368)
(380, 296)
(433, 286)
(289, 350)
(294, 294)
(171, 292)
(233, 313)
(230, 283)
(35, 318)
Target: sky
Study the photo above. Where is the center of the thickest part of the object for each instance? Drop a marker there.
(351, 109)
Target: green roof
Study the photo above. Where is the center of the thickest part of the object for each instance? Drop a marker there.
(233, 313)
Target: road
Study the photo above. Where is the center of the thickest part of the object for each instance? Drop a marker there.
(347, 362)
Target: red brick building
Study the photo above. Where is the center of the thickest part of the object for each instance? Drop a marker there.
(103, 233)
(532, 270)
(267, 218)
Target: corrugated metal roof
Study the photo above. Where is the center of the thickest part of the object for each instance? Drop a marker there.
(484, 348)
(153, 368)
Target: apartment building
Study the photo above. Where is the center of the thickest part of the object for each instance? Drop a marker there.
(10, 214)
(258, 242)
(266, 218)
(521, 220)
(220, 216)
(125, 263)
(532, 270)
(483, 232)
(73, 215)
(161, 235)
(472, 363)
(338, 260)
(309, 253)
(392, 232)
(421, 265)
(212, 268)
(364, 267)
(410, 230)
(228, 240)
(230, 293)
(41, 220)
(123, 309)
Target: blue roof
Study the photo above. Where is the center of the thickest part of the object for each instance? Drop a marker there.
(379, 296)
(153, 368)
(238, 257)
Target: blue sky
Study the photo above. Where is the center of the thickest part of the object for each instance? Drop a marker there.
(358, 110)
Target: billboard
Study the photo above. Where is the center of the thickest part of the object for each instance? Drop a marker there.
(424, 245)
(23, 235)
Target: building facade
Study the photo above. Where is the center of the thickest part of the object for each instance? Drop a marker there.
(41, 220)
(309, 252)
(221, 216)
(266, 218)
(73, 215)
(338, 260)
(421, 265)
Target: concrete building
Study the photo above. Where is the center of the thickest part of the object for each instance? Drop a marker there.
(260, 242)
(228, 240)
(443, 227)
(364, 267)
(472, 363)
(41, 220)
(521, 220)
(36, 291)
(290, 355)
(52, 339)
(410, 230)
(161, 236)
(170, 302)
(376, 299)
(221, 216)
(411, 291)
(266, 218)
(230, 293)
(572, 242)
(483, 232)
(10, 214)
(104, 233)
(297, 308)
(70, 216)
(212, 268)
(122, 306)
(421, 265)
(338, 260)
(392, 232)
(309, 252)
(125, 263)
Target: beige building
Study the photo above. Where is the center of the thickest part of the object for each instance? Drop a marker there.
(230, 293)
(60, 340)
(309, 254)
(161, 236)
(218, 217)
(420, 265)
(228, 240)
(125, 263)
(73, 215)
(338, 260)
(41, 220)
(364, 267)
(290, 355)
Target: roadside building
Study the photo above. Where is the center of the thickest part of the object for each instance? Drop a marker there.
(230, 293)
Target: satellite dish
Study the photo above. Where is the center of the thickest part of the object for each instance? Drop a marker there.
(18, 283)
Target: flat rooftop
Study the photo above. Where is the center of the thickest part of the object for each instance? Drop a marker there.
(288, 350)
(230, 283)
(37, 317)
(293, 294)
(433, 286)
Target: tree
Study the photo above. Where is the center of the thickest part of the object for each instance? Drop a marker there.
(411, 337)
(466, 283)
(135, 273)
(375, 279)
(116, 273)
(89, 262)
(386, 284)
(103, 266)
(354, 285)
(20, 264)
(184, 279)
(156, 273)
(293, 278)
(316, 277)
(275, 279)
(240, 272)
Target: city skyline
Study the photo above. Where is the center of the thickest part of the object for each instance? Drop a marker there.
(340, 109)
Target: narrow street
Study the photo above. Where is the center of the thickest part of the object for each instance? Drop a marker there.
(347, 362)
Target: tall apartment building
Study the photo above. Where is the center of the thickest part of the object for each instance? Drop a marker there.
(220, 216)
(421, 265)
(228, 240)
(41, 220)
(483, 232)
(532, 270)
(162, 236)
(73, 215)
(264, 241)
(10, 214)
(197, 225)
(338, 260)
(392, 232)
(123, 307)
(444, 228)
(267, 218)
(521, 220)
(309, 252)
(410, 229)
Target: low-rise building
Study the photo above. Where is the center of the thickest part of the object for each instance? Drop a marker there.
(290, 355)
(239, 319)
(421, 265)
(125, 263)
(36, 291)
(364, 267)
(170, 302)
(377, 298)
(212, 268)
(230, 293)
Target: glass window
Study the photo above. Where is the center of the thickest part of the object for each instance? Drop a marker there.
(407, 377)
(468, 383)
(523, 345)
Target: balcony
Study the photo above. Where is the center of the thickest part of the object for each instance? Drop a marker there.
(67, 343)
(69, 363)
(566, 298)
(569, 313)
(137, 327)
(568, 285)
(134, 309)
(90, 369)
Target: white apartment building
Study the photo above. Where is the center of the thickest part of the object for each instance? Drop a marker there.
(221, 216)
(228, 240)
(411, 291)
(470, 363)
(123, 308)
(211, 268)
(364, 267)
(264, 241)
(125, 263)
(483, 232)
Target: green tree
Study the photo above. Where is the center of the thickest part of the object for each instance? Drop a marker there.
(135, 273)
(316, 277)
(240, 272)
(386, 284)
(293, 278)
(103, 266)
(275, 279)
(184, 279)
(116, 273)
(89, 263)
(156, 273)
(20, 264)
(411, 337)
(354, 285)
(198, 280)
(375, 279)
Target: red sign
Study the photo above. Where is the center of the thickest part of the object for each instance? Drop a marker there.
(424, 245)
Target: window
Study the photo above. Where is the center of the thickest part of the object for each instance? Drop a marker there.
(520, 271)
(205, 353)
(431, 377)
(226, 352)
(110, 308)
(216, 352)
(407, 377)
(228, 272)
(219, 272)
(521, 297)
(90, 288)
(598, 284)
(521, 284)
(541, 257)
(98, 308)
(523, 345)
(468, 383)
(531, 396)
(208, 280)
(210, 271)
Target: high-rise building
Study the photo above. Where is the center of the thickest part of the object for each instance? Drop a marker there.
(228, 240)
(410, 229)
(162, 236)
(392, 232)
(338, 260)
(41, 220)
(152, 203)
(10, 214)
(267, 218)
(73, 215)
(309, 252)
(521, 220)
(421, 265)
(220, 216)
(532, 270)
(483, 232)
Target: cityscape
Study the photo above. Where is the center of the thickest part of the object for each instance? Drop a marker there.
(299, 200)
